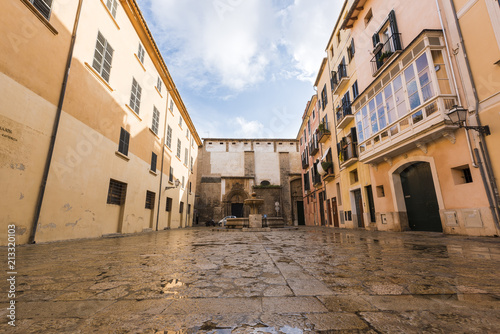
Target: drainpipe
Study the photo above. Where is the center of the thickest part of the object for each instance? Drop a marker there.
(494, 203)
(469, 144)
(55, 128)
(162, 159)
(188, 182)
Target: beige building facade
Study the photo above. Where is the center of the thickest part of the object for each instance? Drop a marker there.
(230, 170)
(90, 76)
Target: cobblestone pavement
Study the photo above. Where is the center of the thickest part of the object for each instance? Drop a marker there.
(310, 280)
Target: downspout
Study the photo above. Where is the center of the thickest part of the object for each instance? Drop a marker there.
(161, 168)
(55, 128)
(469, 144)
(188, 182)
(494, 203)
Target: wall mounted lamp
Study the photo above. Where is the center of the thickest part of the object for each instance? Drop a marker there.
(458, 116)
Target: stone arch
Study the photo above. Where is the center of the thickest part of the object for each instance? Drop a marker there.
(398, 197)
(236, 196)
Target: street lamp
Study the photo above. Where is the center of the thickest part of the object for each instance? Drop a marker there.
(458, 116)
(176, 183)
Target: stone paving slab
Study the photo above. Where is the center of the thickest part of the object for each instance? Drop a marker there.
(310, 280)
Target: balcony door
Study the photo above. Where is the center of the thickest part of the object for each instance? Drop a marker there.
(420, 198)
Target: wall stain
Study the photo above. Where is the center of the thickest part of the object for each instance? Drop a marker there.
(73, 224)
(17, 166)
(67, 207)
(51, 225)
(21, 230)
(21, 196)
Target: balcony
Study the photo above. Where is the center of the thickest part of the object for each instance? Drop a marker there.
(317, 180)
(339, 78)
(305, 162)
(313, 148)
(323, 133)
(344, 116)
(385, 52)
(328, 174)
(415, 130)
(348, 154)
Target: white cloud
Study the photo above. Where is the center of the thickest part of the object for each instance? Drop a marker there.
(248, 129)
(223, 42)
(309, 25)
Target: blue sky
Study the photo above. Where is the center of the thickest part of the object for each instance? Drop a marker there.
(244, 68)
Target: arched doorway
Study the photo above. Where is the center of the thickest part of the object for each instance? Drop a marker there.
(237, 206)
(420, 198)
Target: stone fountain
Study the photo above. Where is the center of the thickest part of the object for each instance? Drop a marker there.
(255, 218)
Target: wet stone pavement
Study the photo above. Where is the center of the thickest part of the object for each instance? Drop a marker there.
(311, 280)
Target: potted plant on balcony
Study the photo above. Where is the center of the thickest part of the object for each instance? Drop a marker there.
(384, 56)
(326, 165)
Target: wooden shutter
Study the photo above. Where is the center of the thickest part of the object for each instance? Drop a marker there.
(394, 30)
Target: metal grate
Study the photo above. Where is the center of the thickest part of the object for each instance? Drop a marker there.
(150, 200)
(116, 192)
(168, 207)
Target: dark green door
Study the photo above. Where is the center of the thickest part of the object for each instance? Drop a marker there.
(420, 198)
(300, 212)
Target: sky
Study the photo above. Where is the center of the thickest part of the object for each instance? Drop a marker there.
(244, 68)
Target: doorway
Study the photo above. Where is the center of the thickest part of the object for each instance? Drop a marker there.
(358, 202)
(371, 203)
(321, 209)
(420, 197)
(300, 212)
(237, 210)
(335, 212)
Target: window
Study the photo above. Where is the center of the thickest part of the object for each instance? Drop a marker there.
(135, 96)
(168, 206)
(368, 17)
(156, 120)
(191, 166)
(380, 191)
(181, 207)
(350, 50)
(338, 38)
(309, 126)
(187, 134)
(189, 187)
(111, 4)
(153, 162)
(140, 53)
(179, 146)
(441, 73)
(353, 176)
(103, 55)
(124, 141)
(116, 192)
(150, 200)
(172, 105)
(324, 98)
(158, 84)
(43, 6)
(186, 156)
(168, 140)
(189, 209)
(355, 90)
(461, 175)
(171, 175)
(339, 195)
(183, 180)
(180, 121)
(313, 114)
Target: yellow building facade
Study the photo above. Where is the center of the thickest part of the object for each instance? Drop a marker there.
(395, 75)
(95, 133)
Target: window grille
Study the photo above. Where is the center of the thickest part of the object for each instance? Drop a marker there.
(150, 200)
(116, 192)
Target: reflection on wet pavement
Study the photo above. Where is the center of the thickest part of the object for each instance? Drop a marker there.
(311, 280)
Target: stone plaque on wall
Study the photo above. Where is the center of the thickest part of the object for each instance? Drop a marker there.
(472, 218)
(450, 218)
